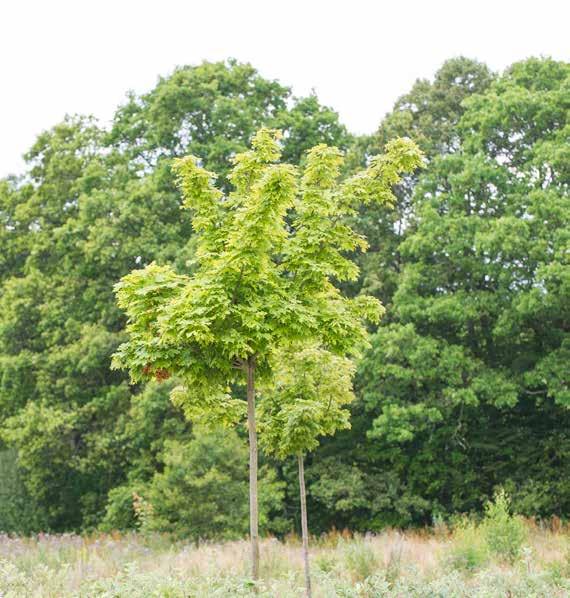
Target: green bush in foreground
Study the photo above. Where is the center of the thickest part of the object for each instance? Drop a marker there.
(200, 494)
(468, 551)
(505, 533)
(501, 535)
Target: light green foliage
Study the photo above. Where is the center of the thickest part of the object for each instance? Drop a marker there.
(500, 535)
(307, 400)
(469, 550)
(505, 533)
(259, 281)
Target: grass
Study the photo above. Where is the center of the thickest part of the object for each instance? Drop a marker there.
(395, 564)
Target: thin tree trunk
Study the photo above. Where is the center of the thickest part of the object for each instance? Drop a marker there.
(253, 512)
(304, 525)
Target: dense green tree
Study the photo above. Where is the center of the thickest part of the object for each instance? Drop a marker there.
(92, 206)
(482, 305)
(352, 483)
(428, 114)
(307, 124)
(211, 111)
(465, 384)
(18, 511)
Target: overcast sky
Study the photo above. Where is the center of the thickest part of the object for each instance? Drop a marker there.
(82, 56)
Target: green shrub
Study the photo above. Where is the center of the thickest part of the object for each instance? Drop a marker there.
(505, 533)
(202, 493)
(468, 550)
(19, 512)
(326, 562)
(120, 512)
(359, 559)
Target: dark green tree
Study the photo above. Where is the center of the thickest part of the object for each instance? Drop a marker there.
(92, 206)
(354, 482)
(480, 338)
(428, 114)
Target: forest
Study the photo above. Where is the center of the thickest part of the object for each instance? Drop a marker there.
(461, 389)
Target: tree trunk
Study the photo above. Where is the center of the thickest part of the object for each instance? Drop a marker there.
(304, 525)
(253, 513)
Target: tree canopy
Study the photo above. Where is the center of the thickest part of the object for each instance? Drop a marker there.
(465, 384)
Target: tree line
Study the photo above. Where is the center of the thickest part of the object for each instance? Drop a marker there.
(464, 386)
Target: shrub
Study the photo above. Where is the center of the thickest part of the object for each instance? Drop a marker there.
(505, 533)
(360, 559)
(120, 513)
(202, 491)
(326, 562)
(468, 550)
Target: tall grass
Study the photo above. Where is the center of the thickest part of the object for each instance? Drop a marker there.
(392, 564)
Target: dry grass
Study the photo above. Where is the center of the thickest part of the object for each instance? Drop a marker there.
(392, 563)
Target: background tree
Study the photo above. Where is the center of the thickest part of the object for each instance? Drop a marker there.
(354, 481)
(86, 222)
(77, 440)
(212, 111)
(92, 206)
(201, 493)
(476, 354)
(307, 400)
(428, 114)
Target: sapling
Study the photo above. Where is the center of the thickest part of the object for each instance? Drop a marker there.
(307, 400)
(268, 256)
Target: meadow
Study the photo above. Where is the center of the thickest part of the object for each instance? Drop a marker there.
(424, 563)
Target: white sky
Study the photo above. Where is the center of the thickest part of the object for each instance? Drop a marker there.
(81, 56)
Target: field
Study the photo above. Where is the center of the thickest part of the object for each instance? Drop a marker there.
(428, 563)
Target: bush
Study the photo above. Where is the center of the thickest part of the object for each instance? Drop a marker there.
(19, 512)
(505, 533)
(326, 562)
(360, 559)
(468, 550)
(120, 513)
(202, 493)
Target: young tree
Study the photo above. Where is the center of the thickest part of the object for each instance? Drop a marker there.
(307, 399)
(267, 259)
